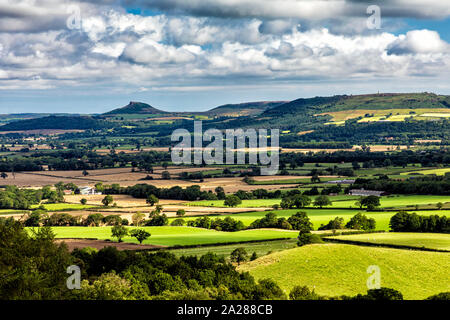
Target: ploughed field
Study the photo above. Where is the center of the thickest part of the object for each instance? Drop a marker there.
(340, 269)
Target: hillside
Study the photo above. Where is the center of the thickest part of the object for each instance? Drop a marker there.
(337, 269)
(244, 109)
(57, 122)
(135, 108)
(358, 102)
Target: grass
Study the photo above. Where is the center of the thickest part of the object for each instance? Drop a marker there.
(427, 240)
(399, 201)
(438, 172)
(289, 181)
(256, 203)
(323, 216)
(172, 236)
(261, 248)
(342, 201)
(12, 211)
(63, 206)
(338, 269)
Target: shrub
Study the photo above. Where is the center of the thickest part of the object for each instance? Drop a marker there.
(178, 223)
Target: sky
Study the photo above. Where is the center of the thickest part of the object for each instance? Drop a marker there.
(86, 56)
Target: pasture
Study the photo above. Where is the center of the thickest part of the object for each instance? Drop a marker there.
(438, 172)
(338, 269)
(323, 216)
(260, 248)
(426, 240)
(176, 236)
(341, 201)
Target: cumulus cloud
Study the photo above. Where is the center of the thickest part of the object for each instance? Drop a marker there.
(418, 41)
(303, 9)
(116, 49)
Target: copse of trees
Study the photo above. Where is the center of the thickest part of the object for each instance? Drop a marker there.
(14, 198)
(403, 221)
(360, 222)
(370, 202)
(295, 201)
(438, 185)
(232, 201)
(335, 224)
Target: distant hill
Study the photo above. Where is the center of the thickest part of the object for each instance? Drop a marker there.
(57, 122)
(244, 109)
(136, 108)
(358, 102)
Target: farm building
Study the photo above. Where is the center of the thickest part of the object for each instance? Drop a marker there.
(88, 190)
(343, 181)
(362, 192)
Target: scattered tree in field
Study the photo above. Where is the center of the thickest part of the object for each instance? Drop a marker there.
(300, 221)
(138, 218)
(370, 202)
(322, 201)
(232, 201)
(83, 201)
(315, 178)
(4, 175)
(140, 234)
(439, 205)
(165, 175)
(107, 200)
(177, 222)
(99, 187)
(238, 255)
(85, 173)
(336, 223)
(361, 222)
(305, 238)
(254, 256)
(152, 199)
(220, 193)
(181, 212)
(94, 219)
(158, 220)
(119, 232)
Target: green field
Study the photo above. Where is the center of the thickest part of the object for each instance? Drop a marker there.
(438, 172)
(338, 269)
(399, 201)
(427, 240)
(12, 211)
(172, 236)
(289, 181)
(256, 203)
(341, 201)
(323, 216)
(261, 248)
(63, 206)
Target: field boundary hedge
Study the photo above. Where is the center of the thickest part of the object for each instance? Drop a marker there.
(385, 245)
